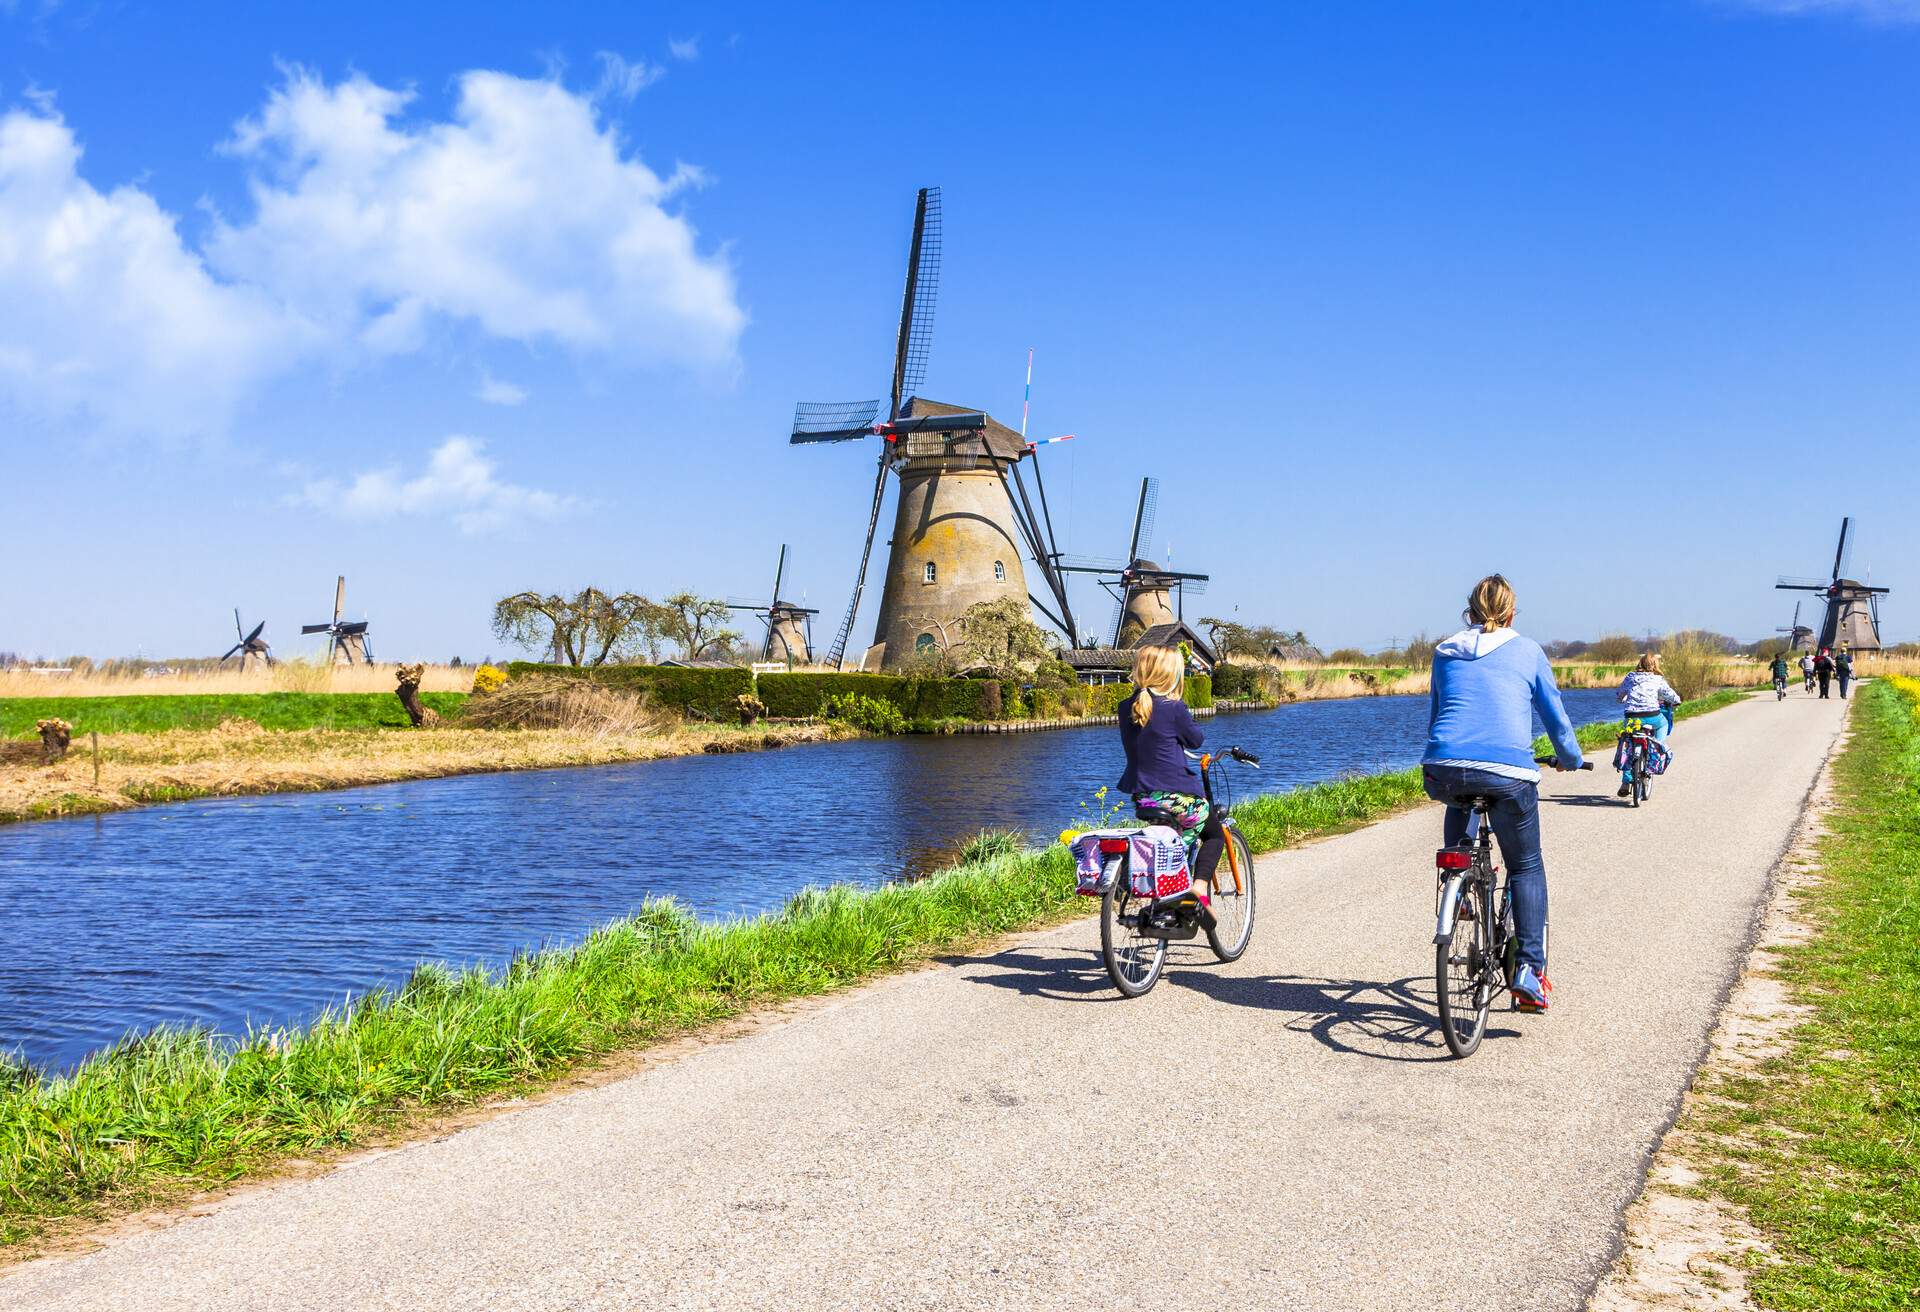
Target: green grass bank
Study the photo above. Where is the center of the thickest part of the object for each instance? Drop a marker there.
(171, 1111)
(269, 710)
(1820, 1146)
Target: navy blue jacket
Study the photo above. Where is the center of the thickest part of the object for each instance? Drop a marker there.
(1155, 763)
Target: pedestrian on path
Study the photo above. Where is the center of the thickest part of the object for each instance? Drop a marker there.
(1823, 670)
(1843, 668)
(1488, 682)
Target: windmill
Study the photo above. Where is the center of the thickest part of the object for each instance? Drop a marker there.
(251, 648)
(1145, 596)
(346, 639)
(789, 627)
(1798, 634)
(963, 516)
(1852, 618)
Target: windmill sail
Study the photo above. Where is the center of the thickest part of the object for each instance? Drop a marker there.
(915, 343)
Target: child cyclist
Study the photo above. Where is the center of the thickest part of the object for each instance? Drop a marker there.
(1156, 731)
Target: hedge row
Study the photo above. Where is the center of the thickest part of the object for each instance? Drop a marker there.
(705, 694)
(798, 695)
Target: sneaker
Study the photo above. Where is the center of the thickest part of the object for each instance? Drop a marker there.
(1530, 989)
(1626, 789)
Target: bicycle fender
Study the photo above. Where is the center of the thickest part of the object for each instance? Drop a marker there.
(1449, 899)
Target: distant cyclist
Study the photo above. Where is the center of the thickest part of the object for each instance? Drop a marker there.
(1156, 732)
(1488, 682)
(1843, 670)
(1648, 696)
(1806, 668)
(1780, 673)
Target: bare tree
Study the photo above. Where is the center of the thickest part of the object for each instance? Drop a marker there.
(697, 624)
(587, 628)
(1002, 636)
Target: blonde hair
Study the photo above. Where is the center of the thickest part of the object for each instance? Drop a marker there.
(1490, 604)
(1650, 663)
(1155, 670)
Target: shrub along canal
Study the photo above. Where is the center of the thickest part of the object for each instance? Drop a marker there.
(264, 910)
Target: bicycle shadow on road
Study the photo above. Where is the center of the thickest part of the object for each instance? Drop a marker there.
(1585, 799)
(1389, 1022)
(1063, 974)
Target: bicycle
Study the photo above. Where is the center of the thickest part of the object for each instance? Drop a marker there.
(1780, 689)
(1635, 742)
(1476, 949)
(1135, 930)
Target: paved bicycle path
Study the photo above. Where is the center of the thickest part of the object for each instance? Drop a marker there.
(1004, 1132)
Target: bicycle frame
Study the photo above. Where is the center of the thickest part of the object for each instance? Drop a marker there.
(1480, 869)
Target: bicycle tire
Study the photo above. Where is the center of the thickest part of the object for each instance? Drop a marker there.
(1233, 909)
(1463, 972)
(1642, 784)
(1134, 960)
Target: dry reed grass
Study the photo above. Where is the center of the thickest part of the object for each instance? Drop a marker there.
(240, 758)
(287, 676)
(578, 706)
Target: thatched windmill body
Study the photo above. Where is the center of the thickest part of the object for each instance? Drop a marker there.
(252, 649)
(1145, 595)
(347, 640)
(1852, 616)
(964, 518)
(789, 632)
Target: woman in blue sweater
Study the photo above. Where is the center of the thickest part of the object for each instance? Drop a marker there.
(1156, 732)
(1487, 683)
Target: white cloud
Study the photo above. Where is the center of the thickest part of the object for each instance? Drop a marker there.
(685, 51)
(1880, 12)
(497, 391)
(620, 80)
(459, 484)
(523, 215)
(108, 315)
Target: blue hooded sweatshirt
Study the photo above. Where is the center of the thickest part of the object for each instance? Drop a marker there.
(1486, 687)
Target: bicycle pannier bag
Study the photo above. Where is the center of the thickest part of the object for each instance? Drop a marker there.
(1159, 863)
(1098, 856)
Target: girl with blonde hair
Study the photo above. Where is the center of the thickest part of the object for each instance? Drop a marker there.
(1488, 681)
(1648, 696)
(1156, 732)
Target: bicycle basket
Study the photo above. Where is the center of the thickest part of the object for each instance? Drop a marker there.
(1222, 785)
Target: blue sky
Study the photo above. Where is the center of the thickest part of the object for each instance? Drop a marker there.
(1619, 299)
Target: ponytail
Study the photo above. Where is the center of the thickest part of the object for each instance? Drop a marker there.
(1142, 707)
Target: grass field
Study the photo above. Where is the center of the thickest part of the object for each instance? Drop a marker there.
(287, 676)
(173, 1110)
(162, 713)
(1820, 1147)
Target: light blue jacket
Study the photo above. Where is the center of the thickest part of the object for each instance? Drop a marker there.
(1486, 687)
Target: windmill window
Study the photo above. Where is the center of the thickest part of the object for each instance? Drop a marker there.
(931, 572)
(924, 643)
(999, 571)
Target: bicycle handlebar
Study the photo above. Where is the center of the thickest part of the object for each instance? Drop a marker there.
(1238, 754)
(1554, 760)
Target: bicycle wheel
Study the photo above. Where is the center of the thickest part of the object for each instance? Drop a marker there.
(1232, 899)
(1134, 960)
(1463, 969)
(1642, 785)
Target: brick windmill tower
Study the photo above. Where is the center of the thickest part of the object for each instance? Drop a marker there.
(963, 519)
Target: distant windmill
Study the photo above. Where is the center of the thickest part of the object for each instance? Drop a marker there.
(252, 649)
(1798, 634)
(1853, 608)
(1145, 596)
(347, 642)
(789, 627)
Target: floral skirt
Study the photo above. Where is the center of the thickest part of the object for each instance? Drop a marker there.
(1184, 812)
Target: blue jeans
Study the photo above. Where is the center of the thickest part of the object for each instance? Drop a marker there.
(1516, 823)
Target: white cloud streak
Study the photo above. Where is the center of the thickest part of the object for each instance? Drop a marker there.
(459, 484)
(1882, 13)
(522, 215)
(685, 51)
(496, 391)
(621, 80)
